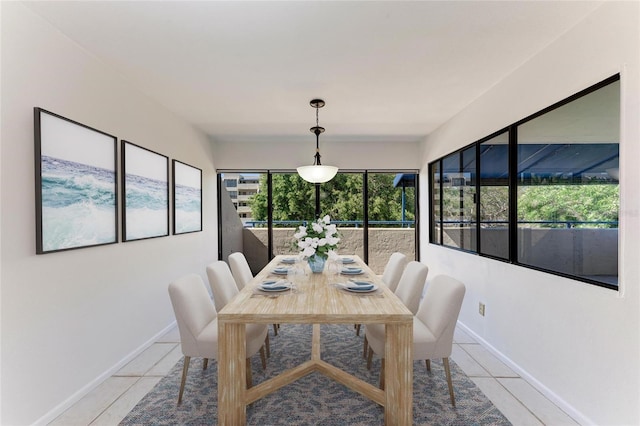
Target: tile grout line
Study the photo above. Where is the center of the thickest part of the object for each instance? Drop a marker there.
(476, 361)
(115, 400)
(499, 383)
(139, 376)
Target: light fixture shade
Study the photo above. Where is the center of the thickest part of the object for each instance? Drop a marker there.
(317, 173)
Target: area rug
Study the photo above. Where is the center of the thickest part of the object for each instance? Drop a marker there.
(315, 399)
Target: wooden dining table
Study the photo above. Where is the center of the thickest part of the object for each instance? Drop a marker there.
(315, 299)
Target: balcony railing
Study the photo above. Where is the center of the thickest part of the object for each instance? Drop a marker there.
(339, 223)
(563, 223)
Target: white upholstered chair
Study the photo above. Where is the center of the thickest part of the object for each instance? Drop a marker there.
(391, 275)
(393, 270)
(224, 288)
(409, 291)
(240, 269)
(433, 326)
(411, 285)
(198, 326)
(242, 274)
(223, 285)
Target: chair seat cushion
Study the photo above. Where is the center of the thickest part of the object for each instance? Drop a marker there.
(424, 342)
(256, 334)
(207, 341)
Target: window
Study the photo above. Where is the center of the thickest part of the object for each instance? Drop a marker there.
(541, 194)
(392, 217)
(494, 196)
(375, 213)
(567, 201)
(459, 199)
(231, 183)
(435, 204)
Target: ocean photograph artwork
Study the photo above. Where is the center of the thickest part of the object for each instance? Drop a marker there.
(146, 191)
(77, 185)
(78, 204)
(187, 198)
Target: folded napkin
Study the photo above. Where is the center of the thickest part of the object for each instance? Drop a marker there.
(275, 285)
(289, 260)
(361, 283)
(351, 270)
(347, 260)
(281, 270)
(357, 287)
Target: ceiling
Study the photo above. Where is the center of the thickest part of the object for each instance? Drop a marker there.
(246, 71)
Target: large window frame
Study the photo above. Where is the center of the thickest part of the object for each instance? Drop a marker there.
(412, 174)
(509, 137)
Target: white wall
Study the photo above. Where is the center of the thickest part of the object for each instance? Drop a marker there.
(344, 154)
(69, 318)
(578, 341)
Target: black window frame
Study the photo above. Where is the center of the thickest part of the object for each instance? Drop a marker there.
(270, 172)
(511, 131)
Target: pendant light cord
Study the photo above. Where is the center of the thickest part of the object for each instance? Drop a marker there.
(316, 158)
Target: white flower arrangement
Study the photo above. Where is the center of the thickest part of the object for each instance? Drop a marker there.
(320, 239)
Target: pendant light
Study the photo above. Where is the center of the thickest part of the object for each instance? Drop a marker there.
(317, 173)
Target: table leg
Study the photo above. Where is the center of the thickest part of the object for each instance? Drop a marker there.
(231, 374)
(399, 374)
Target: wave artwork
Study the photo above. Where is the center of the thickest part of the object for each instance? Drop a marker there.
(147, 203)
(78, 204)
(188, 208)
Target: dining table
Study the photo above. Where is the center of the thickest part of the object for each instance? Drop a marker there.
(314, 298)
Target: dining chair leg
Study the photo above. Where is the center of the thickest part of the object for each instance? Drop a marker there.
(205, 363)
(369, 358)
(365, 347)
(357, 329)
(263, 358)
(249, 378)
(382, 374)
(275, 329)
(185, 369)
(447, 370)
(428, 363)
(267, 345)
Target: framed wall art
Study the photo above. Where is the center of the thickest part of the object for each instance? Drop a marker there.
(187, 198)
(145, 184)
(76, 184)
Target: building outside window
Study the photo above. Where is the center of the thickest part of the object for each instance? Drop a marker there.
(240, 189)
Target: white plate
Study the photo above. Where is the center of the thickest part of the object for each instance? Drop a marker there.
(352, 272)
(289, 260)
(282, 287)
(358, 289)
(280, 271)
(347, 260)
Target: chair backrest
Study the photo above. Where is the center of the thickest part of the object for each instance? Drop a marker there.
(193, 309)
(223, 286)
(240, 269)
(411, 285)
(440, 309)
(393, 270)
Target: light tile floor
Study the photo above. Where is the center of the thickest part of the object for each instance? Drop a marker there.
(110, 402)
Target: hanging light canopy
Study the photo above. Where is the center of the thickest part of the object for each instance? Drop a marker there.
(317, 173)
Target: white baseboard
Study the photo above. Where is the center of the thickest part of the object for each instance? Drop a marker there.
(552, 396)
(82, 392)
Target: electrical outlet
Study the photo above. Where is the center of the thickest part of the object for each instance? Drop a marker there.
(481, 308)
